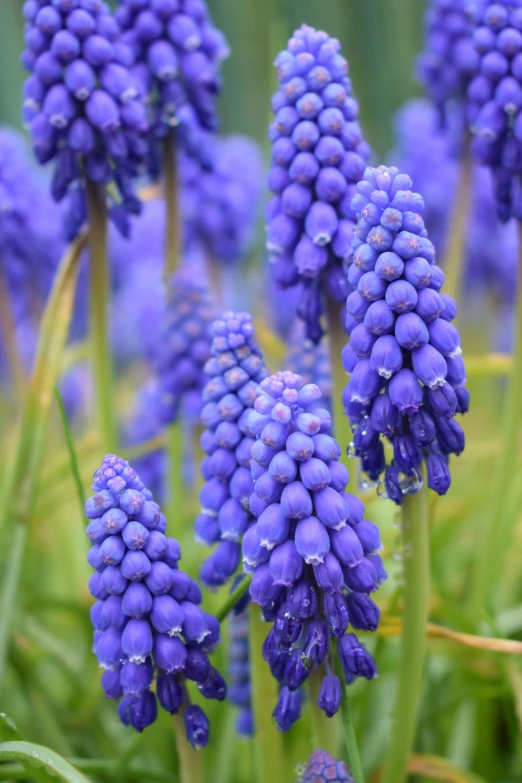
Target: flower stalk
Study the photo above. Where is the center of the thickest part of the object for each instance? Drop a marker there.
(415, 534)
(99, 302)
(456, 249)
(324, 730)
(8, 325)
(190, 760)
(172, 222)
(341, 423)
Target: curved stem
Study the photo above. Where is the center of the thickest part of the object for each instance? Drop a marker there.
(190, 760)
(267, 740)
(172, 222)
(341, 424)
(99, 303)
(496, 531)
(234, 598)
(7, 322)
(324, 729)
(415, 533)
(456, 250)
(350, 739)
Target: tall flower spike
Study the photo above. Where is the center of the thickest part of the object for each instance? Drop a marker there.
(177, 54)
(82, 104)
(313, 558)
(235, 370)
(220, 202)
(185, 345)
(239, 692)
(404, 356)
(147, 619)
(449, 60)
(318, 155)
(323, 768)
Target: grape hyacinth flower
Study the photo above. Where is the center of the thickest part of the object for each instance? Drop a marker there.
(239, 670)
(147, 620)
(312, 555)
(449, 60)
(318, 155)
(219, 202)
(310, 361)
(184, 346)
(177, 55)
(404, 358)
(323, 768)
(82, 104)
(235, 370)
(495, 101)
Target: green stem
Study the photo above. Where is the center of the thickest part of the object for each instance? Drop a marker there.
(172, 223)
(497, 529)
(341, 424)
(324, 730)
(99, 298)
(176, 489)
(267, 740)
(456, 250)
(234, 598)
(415, 533)
(190, 760)
(354, 758)
(7, 322)
(75, 469)
(10, 591)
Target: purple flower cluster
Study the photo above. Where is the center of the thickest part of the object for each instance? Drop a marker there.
(82, 103)
(495, 102)
(235, 370)
(323, 768)
(312, 556)
(404, 358)
(220, 202)
(311, 361)
(145, 423)
(177, 54)
(449, 59)
(318, 154)
(239, 691)
(185, 345)
(147, 620)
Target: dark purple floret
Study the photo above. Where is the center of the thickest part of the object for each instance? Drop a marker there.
(83, 105)
(323, 768)
(235, 369)
(147, 620)
(310, 552)
(400, 386)
(318, 154)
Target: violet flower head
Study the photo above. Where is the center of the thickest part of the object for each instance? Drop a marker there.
(177, 55)
(235, 370)
(239, 691)
(185, 344)
(313, 557)
(147, 619)
(449, 60)
(407, 376)
(495, 102)
(318, 155)
(82, 104)
(220, 202)
(323, 768)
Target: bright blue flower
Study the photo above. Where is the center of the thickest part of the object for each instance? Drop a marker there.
(147, 619)
(305, 552)
(400, 385)
(323, 768)
(318, 154)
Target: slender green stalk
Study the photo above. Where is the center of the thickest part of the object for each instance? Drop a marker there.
(415, 533)
(338, 340)
(234, 598)
(354, 758)
(10, 589)
(99, 297)
(75, 469)
(324, 730)
(176, 488)
(8, 325)
(497, 529)
(456, 250)
(172, 223)
(268, 745)
(190, 760)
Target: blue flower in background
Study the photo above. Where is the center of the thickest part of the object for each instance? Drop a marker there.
(148, 624)
(239, 691)
(318, 155)
(323, 768)
(404, 358)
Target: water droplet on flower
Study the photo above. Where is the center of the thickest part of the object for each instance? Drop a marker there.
(350, 451)
(382, 492)
(410, 484)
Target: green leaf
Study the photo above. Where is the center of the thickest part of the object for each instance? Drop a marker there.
(8, 728)
(40, 757)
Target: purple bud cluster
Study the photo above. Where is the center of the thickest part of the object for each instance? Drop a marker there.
(318, 155)
(313, 558)
(82, 104)
(147, 619)
(177, 54)
(220, 202)
(495, 102)
(449, 59)
(185, 345)
(323, 768)
(239, 691)
(235, 370)
(312, 362)
(404, 358)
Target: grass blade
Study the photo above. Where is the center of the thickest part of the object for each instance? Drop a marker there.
(38, 756)
(70, 446)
